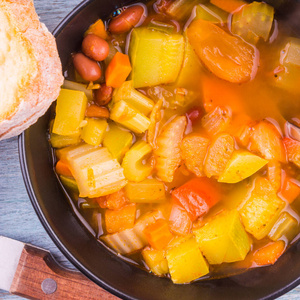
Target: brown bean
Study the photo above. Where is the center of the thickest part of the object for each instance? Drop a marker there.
(104, 94)
(126, 20)
(88, 69)
(95, 111)
(95, 47)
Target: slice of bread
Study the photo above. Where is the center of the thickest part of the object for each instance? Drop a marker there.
(30, 68)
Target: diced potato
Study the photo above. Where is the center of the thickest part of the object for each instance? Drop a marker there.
(186, 262)
(241, 165)
(72, 85)
(223, 238)
(194, 148)
(262, 209)
(156, 261)
(93, 132)
(61, 141)
(70, 110)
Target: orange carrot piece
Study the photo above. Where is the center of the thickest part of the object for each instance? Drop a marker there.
(98, 28)
(158, 234)
(269, 254)
(63, 169)
(95, 111)
(101, 201)
(116, 200)
(118, 70)
(118, 220)
(293, 150)
(290, 189)
(179, 221)
(228, 5)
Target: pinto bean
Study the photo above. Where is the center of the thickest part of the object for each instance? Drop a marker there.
(104, 94)
(95, 47)
(95, 111)
(88, 69)
(126, 20)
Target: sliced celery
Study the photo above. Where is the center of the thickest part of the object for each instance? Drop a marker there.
(147, 191)
(117, 141)
(94, 131)
(133, 163)
(292, 52)
(212, 13)
(94, 169)
(156, 57)
(70, 110)
(253, 21)
(286, 226)
(133, 97)
(131, 118)
(156, 261)
(69, 183)
(133, 239)
(61, 141)
(71, 85)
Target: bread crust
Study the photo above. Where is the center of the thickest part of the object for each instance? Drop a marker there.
(44, 85)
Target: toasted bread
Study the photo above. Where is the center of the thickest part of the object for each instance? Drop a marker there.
(30, 68)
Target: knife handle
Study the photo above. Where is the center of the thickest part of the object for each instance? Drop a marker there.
(39, 276)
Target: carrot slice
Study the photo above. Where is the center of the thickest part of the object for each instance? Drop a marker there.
(116, 200)
(293, 150)
(290, 189)
(269, 254)
(62, 168)
(118, 70)
(98, 28)
(158, 234)
(228, 5)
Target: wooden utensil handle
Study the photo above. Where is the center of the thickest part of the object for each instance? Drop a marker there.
(39, 276)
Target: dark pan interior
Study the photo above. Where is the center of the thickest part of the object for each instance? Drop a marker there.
(82, 249)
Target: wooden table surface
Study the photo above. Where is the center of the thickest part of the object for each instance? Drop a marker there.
(17, 217)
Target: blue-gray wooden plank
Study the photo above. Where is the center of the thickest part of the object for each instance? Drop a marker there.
(17, 217)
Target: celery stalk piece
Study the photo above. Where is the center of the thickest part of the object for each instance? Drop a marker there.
(161, 26)
(70, 110)
(286, 226)
(253, 21)
(69, 183)
(118, 141)
(96, 172)
(93, 132)
(156, 57)
(212, 13)
(223, 238)
(180, 9)
(186, 262)
(133, 97)
(133, 163)
(133, 239)
(292, 53)
(156, 261)
(146, 191)
(61, 141)
(71, 85)
(129, 117)
(261, 209)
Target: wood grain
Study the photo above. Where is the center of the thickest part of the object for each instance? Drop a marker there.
(17, 217)
(37, 265)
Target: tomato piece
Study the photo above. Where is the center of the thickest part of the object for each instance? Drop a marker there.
(197, 196)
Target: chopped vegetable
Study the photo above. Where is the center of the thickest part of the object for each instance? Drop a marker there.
(61, 141)
(186, 262)
(241, 165)
(293, 150)
(218, 155)
(162, 26)
(209, 12)
(129, 117)
(286, 226)
(117, 141)
(167, 153)
(118, 70)
(229, 5)
(262, 209)
(274, 174)
(223, 238)
(136, 99)
(98, 28)
(179, 221)
(69, 183)
(253, 21)
(93, 132)
(62, 168)
(194, 148)
(197, 196)
(95, 111)
(146, 191)
(70, 109)
(226, 56)
(158, 234)
(269, 254)
(292, 52)
(133, 163)
(156, 57)
(72, 85)
(116, 200)
(119, 220)
(290, 190)
(156, 261)
(155, 118)
(95, 171)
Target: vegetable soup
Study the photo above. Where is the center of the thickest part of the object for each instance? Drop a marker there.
(176, 135)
